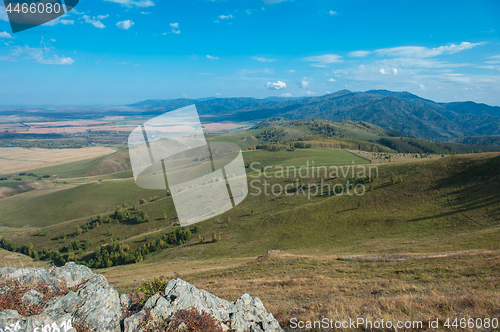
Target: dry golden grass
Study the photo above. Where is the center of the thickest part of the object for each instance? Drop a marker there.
(13, 259)
(316, 287)
(20, 159)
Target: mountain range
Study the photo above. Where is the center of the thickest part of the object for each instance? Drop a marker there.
(399, 111)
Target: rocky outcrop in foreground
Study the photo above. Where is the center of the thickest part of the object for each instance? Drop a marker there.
(73, 298)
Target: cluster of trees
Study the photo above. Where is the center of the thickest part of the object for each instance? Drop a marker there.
(284, 146)
(122, 214)
(116, 253)
(33, 175)
(343, 143)
(415, 145)
(323, 128)
(271, 134)
(58, 256)
(107, 255)
(26, 174)
(113, 253)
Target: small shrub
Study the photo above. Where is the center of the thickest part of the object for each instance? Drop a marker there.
(151, 287)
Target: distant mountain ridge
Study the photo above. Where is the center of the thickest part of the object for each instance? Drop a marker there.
(400, 111)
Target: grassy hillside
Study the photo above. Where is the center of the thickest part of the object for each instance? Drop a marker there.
(67, 202)
(113, 163)
(436, 205)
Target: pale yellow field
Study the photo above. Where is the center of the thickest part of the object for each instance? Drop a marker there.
(21, 159)
(14, 259)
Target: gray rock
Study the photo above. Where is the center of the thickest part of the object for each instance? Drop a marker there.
(99, 305)
(96, 302)
(70, 275)
(246, 314)
(32, 297)
(12, 320)
(124, 300)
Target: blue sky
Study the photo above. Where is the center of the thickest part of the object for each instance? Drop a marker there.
(109, 52)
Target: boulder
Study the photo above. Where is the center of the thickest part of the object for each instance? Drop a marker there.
(246, 314)
(95, 303)
(68, 276)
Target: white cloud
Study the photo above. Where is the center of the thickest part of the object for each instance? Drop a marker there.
(125, 25)
(310, 93)
(93, 21)
(102, 17)
(43, 55)
(276, 85)
(494, 57)
(424, 52)
(359, 54)
(286, 95)
(304, 82)
(175, 29)
(225, 17)
(333, 13)
(323, 60)
(263, 59)
(132, 3)
(291, 71)
(5, 34)
(394, 71)
(52, 40)
(212, 57)
(382, 71)
(60, 20)
(255, 71)
(217, 94)
(422, 86)
(331, 80)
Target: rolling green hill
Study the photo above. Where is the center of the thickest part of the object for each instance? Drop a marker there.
(428, 206)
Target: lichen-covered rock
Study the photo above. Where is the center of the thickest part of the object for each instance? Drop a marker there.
(246, 314)
(99, 306)
(96, 302)
(70, 275)
(32, 297)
